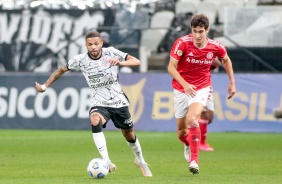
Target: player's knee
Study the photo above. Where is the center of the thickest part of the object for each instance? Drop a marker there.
(97, 128)
(96, 123)
(182, 132)
(192, 120)
(210, 120)
(131, 138)
(129, 134)
(205, 115)
(210, 117)
(94, 119)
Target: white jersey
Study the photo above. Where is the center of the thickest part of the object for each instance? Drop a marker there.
(101, 77)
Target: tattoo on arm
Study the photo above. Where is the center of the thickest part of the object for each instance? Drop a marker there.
(56, 74)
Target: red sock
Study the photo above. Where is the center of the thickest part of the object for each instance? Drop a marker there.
(194, 137)
(204, 130)
(184, 139)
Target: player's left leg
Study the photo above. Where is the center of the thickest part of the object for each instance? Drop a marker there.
(182, 132)
(135, 146)
(122, 119)
(181, 101)
(194, 135)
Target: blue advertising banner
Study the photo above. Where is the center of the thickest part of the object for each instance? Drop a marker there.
(66, 103)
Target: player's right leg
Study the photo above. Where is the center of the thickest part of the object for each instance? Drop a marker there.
(196, 107)
(181, 108)
(97, 121)
(135, 146)
(122, 119)
(182, 132)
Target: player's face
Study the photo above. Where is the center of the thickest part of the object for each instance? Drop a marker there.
(94, 46)
(200, 35)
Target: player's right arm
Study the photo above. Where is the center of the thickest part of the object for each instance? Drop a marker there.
(53, 77)
(188, 88)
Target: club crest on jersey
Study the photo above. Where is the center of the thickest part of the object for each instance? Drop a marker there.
(209, 55)
(104, 61)
(179, 52)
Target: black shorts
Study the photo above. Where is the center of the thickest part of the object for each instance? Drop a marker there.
(120, 116)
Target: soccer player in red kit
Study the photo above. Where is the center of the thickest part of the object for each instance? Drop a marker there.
(190, 60)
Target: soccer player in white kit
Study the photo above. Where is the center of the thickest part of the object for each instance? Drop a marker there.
(100, 69)
(191, 57)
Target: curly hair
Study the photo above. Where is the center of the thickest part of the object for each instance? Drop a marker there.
(200, 20)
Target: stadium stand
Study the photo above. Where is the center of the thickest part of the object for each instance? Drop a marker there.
(151, 38)
(210, 9)
(186, 6)
(156, 24)
(251, 3)
(222, 8)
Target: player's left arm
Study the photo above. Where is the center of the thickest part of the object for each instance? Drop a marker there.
(129, 61)
(227, 64)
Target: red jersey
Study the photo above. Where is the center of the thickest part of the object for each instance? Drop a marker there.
(194, 63)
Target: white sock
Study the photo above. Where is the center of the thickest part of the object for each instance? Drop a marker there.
(100, 142)
(136, 148)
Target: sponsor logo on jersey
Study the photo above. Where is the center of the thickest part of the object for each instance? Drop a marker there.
(198, 61)
(103, 84)
(128, 122)
(113, 103)
(191, 54)
(96, 76)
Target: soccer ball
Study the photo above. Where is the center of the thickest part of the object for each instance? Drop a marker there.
(98, 168)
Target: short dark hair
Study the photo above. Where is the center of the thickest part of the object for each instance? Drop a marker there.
(92, 34)
(200, 20)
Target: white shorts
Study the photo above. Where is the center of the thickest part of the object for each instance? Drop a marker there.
(182, 101)
(210, 104)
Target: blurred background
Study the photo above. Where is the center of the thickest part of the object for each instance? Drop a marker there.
(37, 37)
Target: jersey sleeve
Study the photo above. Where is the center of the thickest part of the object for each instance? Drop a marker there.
(73, 64)
(177, 49)
(121, 56)
(221, 51)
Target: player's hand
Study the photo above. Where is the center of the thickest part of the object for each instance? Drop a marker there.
(189, 89)
(231, 90)
(114, 61)
(39, 87)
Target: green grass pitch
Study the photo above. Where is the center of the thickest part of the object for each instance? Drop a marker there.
(61, 157)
